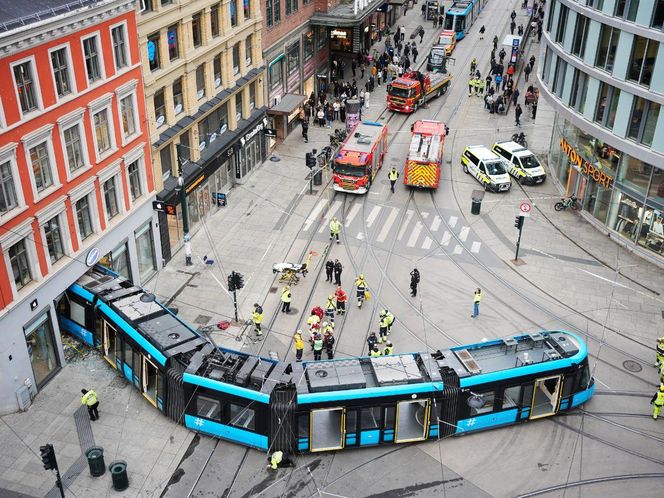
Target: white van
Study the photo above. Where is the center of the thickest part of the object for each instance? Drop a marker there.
(523, 164)
(488, 168)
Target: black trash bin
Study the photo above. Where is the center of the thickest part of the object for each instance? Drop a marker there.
(477, 197)
(95, 456)
(119, 475)
(318, 177)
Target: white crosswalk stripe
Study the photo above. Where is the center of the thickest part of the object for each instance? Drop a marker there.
(457, 249)
(328, 216)
(427, 243)
(464, 234)
(388, 225)
(436, 223)
(409, 215)
(475, 247)
(373, 215)
(415, 234)
(425, 216)
(446, 238)
(353, 213)
(314, 215)
(453, 221)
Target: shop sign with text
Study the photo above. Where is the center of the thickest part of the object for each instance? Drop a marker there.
(584, 166)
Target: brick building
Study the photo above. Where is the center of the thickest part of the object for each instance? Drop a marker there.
(76, 185)
(203, 74)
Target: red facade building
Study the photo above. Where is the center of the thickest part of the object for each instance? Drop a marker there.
(76, 184)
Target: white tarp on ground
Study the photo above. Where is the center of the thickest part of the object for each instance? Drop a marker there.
(507, 41)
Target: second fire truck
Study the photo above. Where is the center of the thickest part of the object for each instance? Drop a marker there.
(425, 155)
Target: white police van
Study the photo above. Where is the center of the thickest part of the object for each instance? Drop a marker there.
(523, 165)
(488, 168)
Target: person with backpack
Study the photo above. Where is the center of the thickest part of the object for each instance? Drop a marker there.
(414, 281)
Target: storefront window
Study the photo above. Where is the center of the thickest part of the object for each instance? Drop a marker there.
(293, 58)
(276, 74)
(625, 215)
(41, 348)
(322, 37)
(308, 45)
(118, 261)
(656, 191)
(634, 173)
(145, 252)
(341, 40)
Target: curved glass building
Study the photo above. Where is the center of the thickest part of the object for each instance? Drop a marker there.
(603, 72)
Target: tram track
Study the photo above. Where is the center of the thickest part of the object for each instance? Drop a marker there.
(595, 480)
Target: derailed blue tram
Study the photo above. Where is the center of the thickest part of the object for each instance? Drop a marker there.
(322, 405)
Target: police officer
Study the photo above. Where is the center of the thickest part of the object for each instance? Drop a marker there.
(473, 66)
(414, 281)
(329, 344)
(318, 346)
(477, 298)
(361, 285)
(390, 321)
(285, 299)
(299, 346)
(330, 306)
(374, 352)
(658, 401)
(89, 399)
(335, 228)
(329, 270)
(372, 340)
(341, 297)
(660, 352)
(257, 318)
(383, 326)
(338, 268)
(279, 459)
(393, 175)
(388, 349)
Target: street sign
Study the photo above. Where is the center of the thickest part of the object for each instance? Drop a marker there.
(525, 208)
(270, 132)
(221, 199)
(158, 205)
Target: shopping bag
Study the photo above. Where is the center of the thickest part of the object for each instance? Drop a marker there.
(367, 295)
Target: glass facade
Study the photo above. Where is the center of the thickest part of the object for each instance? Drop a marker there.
(41, 348)
(619, 190)
(145, 252)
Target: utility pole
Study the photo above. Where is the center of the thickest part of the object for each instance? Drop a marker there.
(518, 223)
(183, 208)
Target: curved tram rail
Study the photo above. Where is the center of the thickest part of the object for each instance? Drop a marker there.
(322, 405)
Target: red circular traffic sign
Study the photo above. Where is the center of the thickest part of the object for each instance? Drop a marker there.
(525, 207)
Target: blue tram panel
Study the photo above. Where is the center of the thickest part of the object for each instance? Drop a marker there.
(322, 405)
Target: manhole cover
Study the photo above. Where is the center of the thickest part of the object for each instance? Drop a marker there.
(632, 366)
(202, 319)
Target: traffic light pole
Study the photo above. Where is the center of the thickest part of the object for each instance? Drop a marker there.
(47, 454)
(183, 207)
(518, 242)
(58, 481)
(237, 319)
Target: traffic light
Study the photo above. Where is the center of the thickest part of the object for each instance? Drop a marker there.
(238, 280)
(47, 454)
(310, 160)
(518, 222)
(231, 282)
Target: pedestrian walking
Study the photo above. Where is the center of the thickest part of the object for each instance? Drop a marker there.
(659, 352)
(482, 30)
(382, 327)
(512, 27)
(361, 290)
(353, 66)
(495, 42)
(513, 15)
(388, 349)
(329, 270)
(533, 109)
(435, 22)
(471, 85)
(362, 70)
(515, 96)
(402, 30)
(658, 401)
(338, 268)
(393, 175)
(440, 20)
(341, 298)
(299, 346)
(257, 318)
(520, 30)
(414, 281)
(90, 400)
(286, 299)
(517, 114)
(305, 131)
(501, 55)
(526, 72)
(415, 54)
(318, 346)
(421, 35)
(477, 298)
(532, 62)
(335, 228)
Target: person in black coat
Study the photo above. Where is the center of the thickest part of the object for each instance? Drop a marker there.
(338, 268)
(329, 270)
(414, 281)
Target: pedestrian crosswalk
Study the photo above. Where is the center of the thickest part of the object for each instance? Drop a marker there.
(425, 231)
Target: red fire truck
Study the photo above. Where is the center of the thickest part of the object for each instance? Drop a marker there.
(425, 154)
(360, 157)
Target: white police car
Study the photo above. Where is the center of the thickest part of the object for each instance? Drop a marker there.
(488, 168)
(523, 165)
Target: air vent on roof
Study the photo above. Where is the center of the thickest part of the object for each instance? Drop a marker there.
(467, 359)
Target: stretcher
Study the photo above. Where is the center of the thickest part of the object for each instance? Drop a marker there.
(290, 272)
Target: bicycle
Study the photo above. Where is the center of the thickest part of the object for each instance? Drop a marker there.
(569, 202)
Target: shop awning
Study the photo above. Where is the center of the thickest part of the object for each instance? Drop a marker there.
(343, 15)
(289, 103)
(509, 40)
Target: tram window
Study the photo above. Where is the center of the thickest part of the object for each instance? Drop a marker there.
(241, 416)
(527, 394)
(351, 421)
(370, 418)
(77, 312)
(486, 407)
(511, 397)
(585, 377)
(208, 408)
(161, 387)
(303, 425)
(127, 353)
(390, 413)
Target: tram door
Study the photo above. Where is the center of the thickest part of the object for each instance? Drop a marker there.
(110, 343)
(546, 396)
(327, 429)
(412, 420)
(149, 381)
